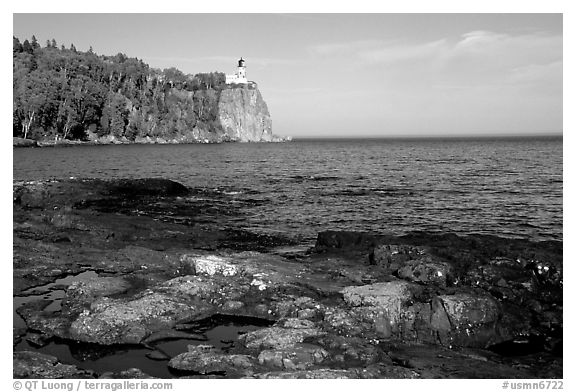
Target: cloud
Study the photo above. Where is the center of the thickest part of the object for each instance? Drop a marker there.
(534, 73)
(401, 53)
(474, 57)
(478, 39)
(506, 50)
(475, 43)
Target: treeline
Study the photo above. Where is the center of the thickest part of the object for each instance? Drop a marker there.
(63, 93)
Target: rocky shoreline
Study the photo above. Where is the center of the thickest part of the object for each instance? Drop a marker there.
(111, 140)
(107, 268)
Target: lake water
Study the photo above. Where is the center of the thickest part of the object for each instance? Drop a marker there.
(505, 187)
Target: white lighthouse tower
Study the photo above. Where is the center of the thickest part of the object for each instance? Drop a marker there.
(241, 70)
(240, 76)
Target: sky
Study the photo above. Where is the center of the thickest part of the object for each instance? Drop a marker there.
(350, 75)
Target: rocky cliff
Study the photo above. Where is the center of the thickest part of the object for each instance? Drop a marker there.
(234, 114)
(244, 115)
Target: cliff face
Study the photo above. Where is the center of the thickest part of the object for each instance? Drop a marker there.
(244, 115)
(236, 114)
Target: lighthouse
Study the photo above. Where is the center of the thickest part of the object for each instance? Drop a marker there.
(240, 76)
(241, 70)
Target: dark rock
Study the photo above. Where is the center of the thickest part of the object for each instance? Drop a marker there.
(345, 240)
(469, 309)
(207, 359)
(158, 355)
(61, 239)
(17, 334)
(353, 350)
(32, 195)
(440, 322)
(83, 193)
(297, 357)
(344, 322)
(370, 372)
(80, 294)
(391, 310)
(473, 319)
(381, 301)
(309, 374)
(148, 187)
(37, 339)
(28, 364)
(171, 334)
(279, 337)
(426, 271)
(21, 142)
(431, 361)
(65, 218)
(48, 323)
(133, 373)
(392, 257)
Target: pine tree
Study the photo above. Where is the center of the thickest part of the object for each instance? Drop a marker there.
(35, 45)
(26, 47)
(16, 45)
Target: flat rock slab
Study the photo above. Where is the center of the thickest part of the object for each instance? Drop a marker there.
(171, 334)
(279, 337)
(206, 359)
(42, 194)
(82, 293)
(28, 364)
(370, 372)
(438, 362)
(214, 290)
(301, 356)
(129, 373)
(390, 297)
(112, 321)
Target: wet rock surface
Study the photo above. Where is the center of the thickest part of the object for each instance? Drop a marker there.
(206, 359)
(138, 270)
(27, 364)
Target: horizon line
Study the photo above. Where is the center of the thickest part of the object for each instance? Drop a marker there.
(436, 136)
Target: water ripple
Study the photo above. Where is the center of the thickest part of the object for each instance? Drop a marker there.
(501, 187)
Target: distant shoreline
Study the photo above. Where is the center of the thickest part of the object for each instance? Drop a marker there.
(432, 137)
(20, 142)
(28, 143)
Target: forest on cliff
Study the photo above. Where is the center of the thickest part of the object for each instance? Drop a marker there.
(63, 93)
